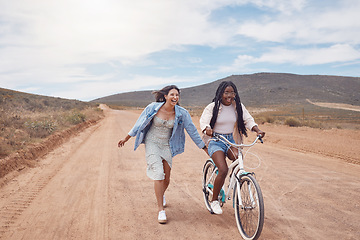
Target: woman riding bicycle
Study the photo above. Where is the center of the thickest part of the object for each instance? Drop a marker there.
(225, 115)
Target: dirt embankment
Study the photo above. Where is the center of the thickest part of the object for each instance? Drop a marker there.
(11, 165)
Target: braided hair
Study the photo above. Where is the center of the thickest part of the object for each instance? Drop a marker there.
(160, 94)
(218, 98)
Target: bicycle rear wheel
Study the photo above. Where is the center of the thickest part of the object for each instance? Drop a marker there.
(249, 207)
(209, 174)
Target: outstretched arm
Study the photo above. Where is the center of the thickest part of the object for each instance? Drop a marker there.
(123, 141)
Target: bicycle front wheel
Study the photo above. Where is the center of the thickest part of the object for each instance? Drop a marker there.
(249, 207)
(209, 175)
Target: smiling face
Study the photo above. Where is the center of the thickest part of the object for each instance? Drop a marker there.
(173, 97)
(228, 96)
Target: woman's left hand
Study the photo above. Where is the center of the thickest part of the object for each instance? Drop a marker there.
(261, 133)
(258, 131)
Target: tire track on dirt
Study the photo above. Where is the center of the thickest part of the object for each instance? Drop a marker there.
(14, 203)
(18, 203)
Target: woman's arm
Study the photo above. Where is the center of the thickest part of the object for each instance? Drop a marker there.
(258, 131)
(123, 141)
(143, 116)
(192, 130)
(248, 119)
(136, 126)
(250, 122)
(206, 117)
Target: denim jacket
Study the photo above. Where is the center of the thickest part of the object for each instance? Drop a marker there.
(177, 139)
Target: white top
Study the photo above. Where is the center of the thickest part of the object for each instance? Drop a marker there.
(207, 115)
(226, 120)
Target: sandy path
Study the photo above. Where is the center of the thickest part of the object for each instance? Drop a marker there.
(90, 189)
(336, 105)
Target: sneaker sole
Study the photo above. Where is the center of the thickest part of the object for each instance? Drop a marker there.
(162, 221)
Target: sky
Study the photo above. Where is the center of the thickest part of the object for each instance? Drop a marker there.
(87, 49)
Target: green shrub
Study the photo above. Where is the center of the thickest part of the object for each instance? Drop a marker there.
(40, 128)
(76, 117)
(292, 122)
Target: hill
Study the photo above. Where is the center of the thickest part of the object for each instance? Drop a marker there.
(26, 119)
(16, 100)
(260, 90)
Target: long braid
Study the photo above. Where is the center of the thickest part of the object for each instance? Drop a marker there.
(217, 100)
(240, 123)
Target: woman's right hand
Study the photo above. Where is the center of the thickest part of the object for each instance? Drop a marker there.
(209, 131)
(123, 141)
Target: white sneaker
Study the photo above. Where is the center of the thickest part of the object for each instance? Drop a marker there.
(215, 206)
(162, 217)
(164, 201)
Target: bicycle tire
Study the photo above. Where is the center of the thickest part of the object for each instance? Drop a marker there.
(208, 184)
(250, 215)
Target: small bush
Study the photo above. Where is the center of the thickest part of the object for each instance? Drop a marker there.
(76, 118)
(292, 122)
(269, 119)
(314, 124)
(40, 128)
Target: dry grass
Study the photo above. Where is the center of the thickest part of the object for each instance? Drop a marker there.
(311, 116)
(26, 119)
(297, 115)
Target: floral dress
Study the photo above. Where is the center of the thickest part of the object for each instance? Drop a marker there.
(157, 147)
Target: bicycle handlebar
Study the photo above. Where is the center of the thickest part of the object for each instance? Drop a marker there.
(222, 138)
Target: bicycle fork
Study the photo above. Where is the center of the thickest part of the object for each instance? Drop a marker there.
(238, 192)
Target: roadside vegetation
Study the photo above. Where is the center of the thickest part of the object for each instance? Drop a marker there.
(26, 119)
(308, 115)
(296, 115)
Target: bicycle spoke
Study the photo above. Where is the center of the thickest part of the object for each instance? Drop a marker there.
(209, 174)
(249, 214)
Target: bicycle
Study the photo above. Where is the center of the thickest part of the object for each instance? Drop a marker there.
(248, 201)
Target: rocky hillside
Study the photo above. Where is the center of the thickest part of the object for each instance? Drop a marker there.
(261, 89)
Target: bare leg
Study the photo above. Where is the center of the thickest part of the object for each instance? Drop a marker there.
(159, 192)
(219, 159)
(167, 171)
(160, 186)
(233, 153)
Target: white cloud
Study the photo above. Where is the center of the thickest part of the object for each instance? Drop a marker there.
(39, 37)
(284, 6)
(95, 89)
(45, 42)
(309, 26)
(339, 53)
(312, 56)
(240, 64)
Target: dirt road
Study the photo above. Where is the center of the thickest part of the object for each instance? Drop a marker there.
(90, 189)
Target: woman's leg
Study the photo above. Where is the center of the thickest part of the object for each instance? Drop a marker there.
(167, 171)
(160, 186)
(233, 153)
(159, 192)
(219, 160)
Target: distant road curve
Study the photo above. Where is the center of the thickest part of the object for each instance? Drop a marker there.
(336, 105)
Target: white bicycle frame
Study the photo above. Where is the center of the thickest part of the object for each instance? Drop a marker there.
(236, 166)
